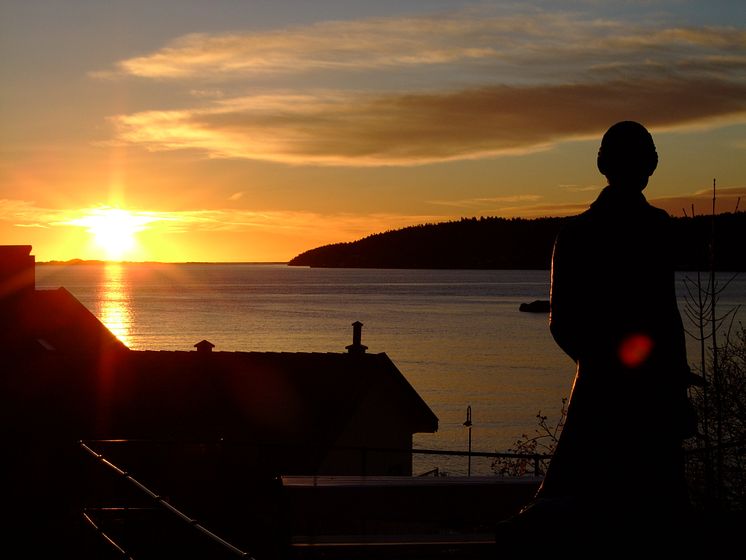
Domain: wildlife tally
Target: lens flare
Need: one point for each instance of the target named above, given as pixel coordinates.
(635, 350)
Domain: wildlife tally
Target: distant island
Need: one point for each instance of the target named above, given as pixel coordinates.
(75, 262)
(516, 243)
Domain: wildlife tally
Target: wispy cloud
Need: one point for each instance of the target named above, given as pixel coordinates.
(541, 210)
(24, 213)
(727, 200)
(336, 227)
(467, 85)
(406, 129)
(344, 226)
(534, 38)
(475, 203)
(335, 45)
(580, 188)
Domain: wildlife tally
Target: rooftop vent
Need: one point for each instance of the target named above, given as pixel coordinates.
(204, 346)
(357, 333)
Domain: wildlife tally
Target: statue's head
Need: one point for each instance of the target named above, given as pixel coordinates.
(627, 155)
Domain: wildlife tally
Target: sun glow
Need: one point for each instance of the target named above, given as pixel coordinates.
(114, 230)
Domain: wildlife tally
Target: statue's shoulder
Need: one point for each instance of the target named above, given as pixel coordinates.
(578, 224)
(660, 213)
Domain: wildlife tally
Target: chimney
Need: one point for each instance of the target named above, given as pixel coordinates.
(204, 346)
(357, 333)
(17, 270)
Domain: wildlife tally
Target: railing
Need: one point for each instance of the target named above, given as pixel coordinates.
(105, 536)
(161, 502)
(535, 458)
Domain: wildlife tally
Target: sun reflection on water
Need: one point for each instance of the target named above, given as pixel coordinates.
(113, 302)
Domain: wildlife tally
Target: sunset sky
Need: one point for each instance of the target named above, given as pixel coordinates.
(230, 130)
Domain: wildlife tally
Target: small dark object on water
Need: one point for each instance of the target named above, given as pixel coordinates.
(536, 306)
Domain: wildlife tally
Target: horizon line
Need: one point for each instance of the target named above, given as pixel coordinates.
(77, 261)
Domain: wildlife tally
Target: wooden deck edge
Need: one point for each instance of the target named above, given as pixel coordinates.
(307, 541)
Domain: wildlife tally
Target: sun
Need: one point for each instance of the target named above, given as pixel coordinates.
(114, 230)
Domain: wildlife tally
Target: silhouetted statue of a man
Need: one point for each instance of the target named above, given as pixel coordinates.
(618, 465)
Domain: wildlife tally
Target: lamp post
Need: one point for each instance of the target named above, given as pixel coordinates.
(468, 425)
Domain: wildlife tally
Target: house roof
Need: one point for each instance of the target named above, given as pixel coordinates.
(301, 397)
(263, 396)
(52, 320)
(296, 397)
(34, 320)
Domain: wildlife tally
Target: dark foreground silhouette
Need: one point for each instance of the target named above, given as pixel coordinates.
(618, 470)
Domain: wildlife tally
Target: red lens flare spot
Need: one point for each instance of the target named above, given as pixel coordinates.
(635, 349)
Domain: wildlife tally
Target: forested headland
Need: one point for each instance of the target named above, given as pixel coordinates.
(517, 243)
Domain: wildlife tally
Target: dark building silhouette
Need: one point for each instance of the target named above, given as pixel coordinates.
(346, 399)
(44, 321)
(276, 451)
(236, 416)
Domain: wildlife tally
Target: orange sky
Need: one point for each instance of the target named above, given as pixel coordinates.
(252, 131)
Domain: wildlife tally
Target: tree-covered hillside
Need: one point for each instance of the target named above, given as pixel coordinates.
(515, 243)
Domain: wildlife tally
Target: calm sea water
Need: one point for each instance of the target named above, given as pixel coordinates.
(456, 335)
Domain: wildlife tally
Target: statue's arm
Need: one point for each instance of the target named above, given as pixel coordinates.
(564, 302)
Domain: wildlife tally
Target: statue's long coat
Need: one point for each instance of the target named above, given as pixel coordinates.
(614, 312)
